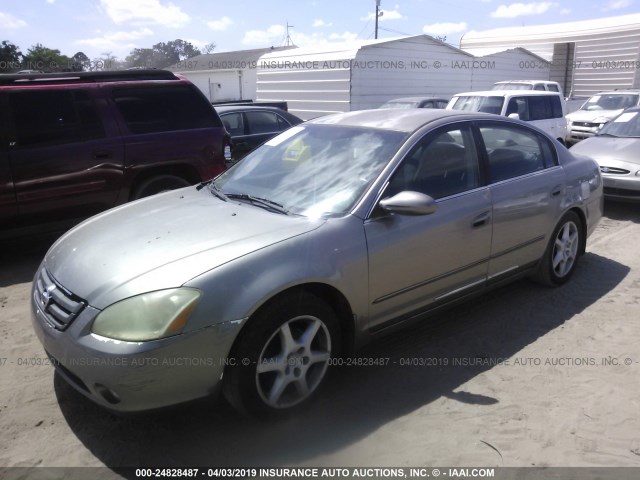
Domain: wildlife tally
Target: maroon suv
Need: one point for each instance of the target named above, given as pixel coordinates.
(74, 144)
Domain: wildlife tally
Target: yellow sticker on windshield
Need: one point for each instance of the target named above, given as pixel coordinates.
(297, 151)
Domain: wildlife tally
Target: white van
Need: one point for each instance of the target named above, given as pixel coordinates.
(545, 110)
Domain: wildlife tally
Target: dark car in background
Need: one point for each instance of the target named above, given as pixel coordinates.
(250, 126)
(416, 102)
(75, 144)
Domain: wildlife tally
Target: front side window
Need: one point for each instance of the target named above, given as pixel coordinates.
(54, 117)
(441, 165)
(515, 151)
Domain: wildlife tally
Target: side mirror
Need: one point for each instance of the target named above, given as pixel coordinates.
(514, 115)
(409, 203)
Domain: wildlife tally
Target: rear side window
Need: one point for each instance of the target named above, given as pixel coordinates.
(262, 122)
(233, 123)
(54, 117)
(514, 151)
(153, 109)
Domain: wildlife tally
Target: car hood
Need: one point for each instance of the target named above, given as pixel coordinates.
(590, 116)
(610, 149)
(162, 242)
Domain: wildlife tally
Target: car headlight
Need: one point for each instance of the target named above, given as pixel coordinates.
(149, 316)
(602, 121)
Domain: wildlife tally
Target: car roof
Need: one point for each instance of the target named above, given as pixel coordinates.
(64, 78)
(416, 99)
(236, 108)
(618, 92)
(403, 120)
(527, 81)
(504, 93)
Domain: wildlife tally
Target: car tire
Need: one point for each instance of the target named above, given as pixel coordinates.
(283, 357)
(158, 184)
(562, 253)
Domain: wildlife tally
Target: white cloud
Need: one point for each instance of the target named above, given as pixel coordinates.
(617, 5)
(565, 11)
(51, 2)
(115, 40)
(343, 37)
(9, 22)
(321, 23)
(144, 12)
(521, 9)
(274, 35)
(386, 15)
(220, 25)
(444, 28)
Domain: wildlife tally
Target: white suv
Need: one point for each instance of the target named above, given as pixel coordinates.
(599, 110)
(545, 110)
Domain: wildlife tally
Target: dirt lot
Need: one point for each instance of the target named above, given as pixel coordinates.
(525, 376)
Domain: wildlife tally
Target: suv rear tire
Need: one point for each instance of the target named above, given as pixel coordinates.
(157, 184)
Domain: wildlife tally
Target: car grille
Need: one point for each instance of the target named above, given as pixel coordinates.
(59, 306)
(614, 171)
(585, 124)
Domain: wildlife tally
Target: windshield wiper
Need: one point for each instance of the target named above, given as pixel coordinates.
(216, 191)
(261, 202)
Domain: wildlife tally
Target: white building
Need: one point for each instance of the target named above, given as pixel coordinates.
(224, 76)
(366, 74)
(587, 56)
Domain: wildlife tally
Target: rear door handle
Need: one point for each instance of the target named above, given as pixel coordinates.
(101, 155)
(557, 190)
(481, 219)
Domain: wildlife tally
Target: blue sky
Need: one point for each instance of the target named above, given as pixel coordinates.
(118, 26)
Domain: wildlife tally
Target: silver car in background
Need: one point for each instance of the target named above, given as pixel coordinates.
(329, 234)
(616, 148)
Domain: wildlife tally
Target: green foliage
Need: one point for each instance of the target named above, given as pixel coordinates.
(39, 57)
(10, 57)
(162, 54)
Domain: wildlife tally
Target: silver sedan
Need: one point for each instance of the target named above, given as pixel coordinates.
(331, 233)
(617, 149)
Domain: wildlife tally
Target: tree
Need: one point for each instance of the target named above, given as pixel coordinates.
(39, 57)
(106, 61)
(80, 62)
(209, 47)
(162, 54)
(9, 57)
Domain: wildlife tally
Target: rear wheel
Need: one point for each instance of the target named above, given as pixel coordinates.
(283, 358)
(159, 183)
(562, 254)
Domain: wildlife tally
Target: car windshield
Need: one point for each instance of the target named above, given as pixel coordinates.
(626, 125)
(313, 170)
(399, 105)
(614, 101)
(512, 86)
(477, 103)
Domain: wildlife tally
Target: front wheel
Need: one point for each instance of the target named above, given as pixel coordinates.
(562, 253)
(282, 359)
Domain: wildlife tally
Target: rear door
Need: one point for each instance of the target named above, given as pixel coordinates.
(416, 262)
(526, 190)
(8, 206)
(65, 163)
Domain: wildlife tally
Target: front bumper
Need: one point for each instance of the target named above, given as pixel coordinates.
(134, 376)
(617, 187)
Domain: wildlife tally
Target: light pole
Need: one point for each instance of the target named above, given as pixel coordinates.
(377, 15)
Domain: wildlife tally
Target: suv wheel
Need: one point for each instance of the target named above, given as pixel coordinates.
(157, 184)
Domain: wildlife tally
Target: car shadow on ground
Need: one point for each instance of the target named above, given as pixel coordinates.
(622, 210)
(20, 258)
(358, 400)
